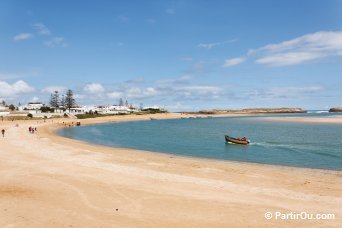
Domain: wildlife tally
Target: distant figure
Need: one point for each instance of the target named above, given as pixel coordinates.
(30, 128)
(3, 132)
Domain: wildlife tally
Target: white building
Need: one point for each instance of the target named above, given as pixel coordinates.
(34, 105)
(82, 110)
(2, 108)
(31, 106)
(114, 109)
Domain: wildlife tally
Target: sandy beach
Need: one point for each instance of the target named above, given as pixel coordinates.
(51, 181)
(333, 120)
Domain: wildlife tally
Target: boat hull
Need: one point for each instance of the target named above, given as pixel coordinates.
(234, 140)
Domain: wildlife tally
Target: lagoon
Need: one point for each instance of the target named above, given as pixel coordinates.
(311, 145)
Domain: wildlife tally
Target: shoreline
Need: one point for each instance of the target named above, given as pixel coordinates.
(110, 119)
(97, 180)
(194, 158)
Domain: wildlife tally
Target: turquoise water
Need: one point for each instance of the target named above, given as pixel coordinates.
(313, 145)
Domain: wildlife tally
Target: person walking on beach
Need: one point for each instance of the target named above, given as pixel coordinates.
(3, 132)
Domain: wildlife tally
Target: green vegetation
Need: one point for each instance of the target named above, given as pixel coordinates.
(13, 118)
(95, 115)
(153, 111)
(47, 109)
(30, 115)
(11, 107)
(66, 102)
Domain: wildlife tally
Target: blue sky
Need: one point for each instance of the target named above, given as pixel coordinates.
(181, 55)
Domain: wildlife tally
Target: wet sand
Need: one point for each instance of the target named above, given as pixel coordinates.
(51, 181)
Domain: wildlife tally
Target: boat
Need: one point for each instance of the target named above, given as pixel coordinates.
(236, 140)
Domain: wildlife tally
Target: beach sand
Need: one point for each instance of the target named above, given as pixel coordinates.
(334, 120)
(51, 181)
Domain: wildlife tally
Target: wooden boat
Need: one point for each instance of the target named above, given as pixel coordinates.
(235, 140)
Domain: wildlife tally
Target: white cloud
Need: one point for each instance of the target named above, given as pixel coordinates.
(233, 61)
(319, 41)
(307, 48)
(285, 92)
(56, 42)
(199, 90)
(208, 45)
(211, 45)
(185, 79)
(79, 96)
(134, 93)
(289, 58)
(22, 36)
(35, 99)
(138, 93)
(41, 29)
(313, 46)
(52, 89)
(115, 95)
(94, 88)
(10, 90)
(295, 90)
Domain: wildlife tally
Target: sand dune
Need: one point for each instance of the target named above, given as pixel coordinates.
(50, 181)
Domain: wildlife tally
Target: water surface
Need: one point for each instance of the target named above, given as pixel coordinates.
(313, 145)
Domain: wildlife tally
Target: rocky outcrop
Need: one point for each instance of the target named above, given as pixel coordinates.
(335, 110)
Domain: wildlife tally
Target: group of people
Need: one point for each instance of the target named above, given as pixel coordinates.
(32, 129)
(244, 138)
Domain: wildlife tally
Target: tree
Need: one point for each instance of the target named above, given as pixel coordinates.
(69, 100)
(54, 100)
(121, 103)
(62, 103)
(3, 102)
(11, 107)
(46, 109)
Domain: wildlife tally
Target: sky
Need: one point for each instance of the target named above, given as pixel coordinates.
(185, 55)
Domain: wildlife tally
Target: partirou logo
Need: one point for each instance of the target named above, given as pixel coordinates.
(277, 215)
